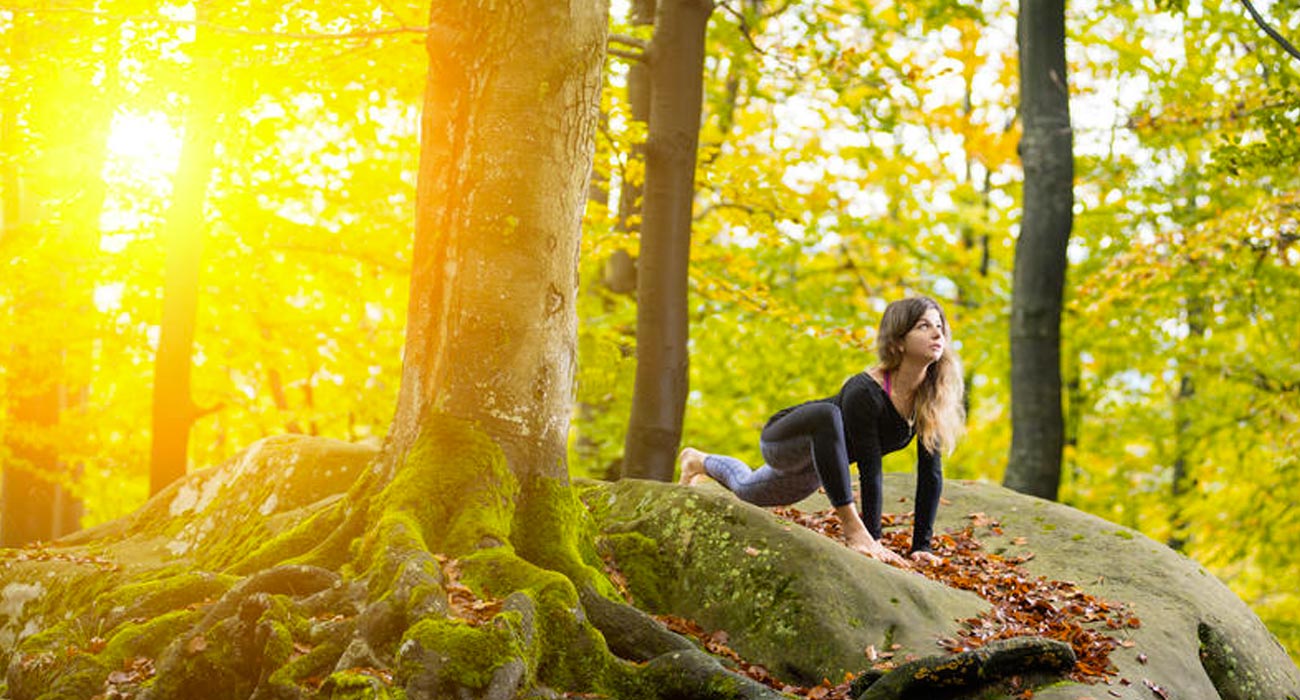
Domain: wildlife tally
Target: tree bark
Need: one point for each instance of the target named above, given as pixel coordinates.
(659, 400)
(1046, 150)
(508, 133)
(174, 411)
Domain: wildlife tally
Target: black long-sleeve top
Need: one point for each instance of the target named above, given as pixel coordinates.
(872, 429)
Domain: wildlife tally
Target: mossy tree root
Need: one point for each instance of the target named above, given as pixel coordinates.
(994, 661)
(675, 667)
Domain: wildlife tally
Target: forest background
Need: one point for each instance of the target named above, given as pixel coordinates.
(851, 152)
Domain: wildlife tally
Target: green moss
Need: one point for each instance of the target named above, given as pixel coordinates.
(357, 685)
(1078, 537)
(1124, 534)
(648, 574)
(553, 529)
(172, 591)
(146, 638)
(470, 655)
(457, 487)
(499, 571)
(386, 548)
(314, 664)
(301, 544)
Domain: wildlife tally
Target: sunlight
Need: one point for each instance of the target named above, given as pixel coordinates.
(146, 141)
(144, 151)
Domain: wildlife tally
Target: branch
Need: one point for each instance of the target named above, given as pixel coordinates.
(1270, 31)
(743, 25)
(626, 40)
(638, 56)
(220, 28)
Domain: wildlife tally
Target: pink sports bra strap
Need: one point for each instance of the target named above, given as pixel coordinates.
(887, 392)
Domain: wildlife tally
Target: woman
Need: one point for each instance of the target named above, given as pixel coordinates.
(915, 389)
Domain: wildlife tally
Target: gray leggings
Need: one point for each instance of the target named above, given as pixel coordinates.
(804, 449)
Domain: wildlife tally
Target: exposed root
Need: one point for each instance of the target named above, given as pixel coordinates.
(989, 663)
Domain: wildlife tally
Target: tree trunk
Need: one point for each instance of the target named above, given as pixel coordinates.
(659, 399)
(1034, 466)
(1184, 438)
(174, 411)
(507, 133)
(641, 14)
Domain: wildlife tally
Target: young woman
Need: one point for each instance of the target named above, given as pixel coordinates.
(915, 389)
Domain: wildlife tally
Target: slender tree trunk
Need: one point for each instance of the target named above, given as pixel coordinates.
(1179, 536)
(1046, 150)
(659, 399)
(642, 14)
(491, 332)
(174, 412)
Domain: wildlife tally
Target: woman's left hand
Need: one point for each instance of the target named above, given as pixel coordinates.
(926, 558)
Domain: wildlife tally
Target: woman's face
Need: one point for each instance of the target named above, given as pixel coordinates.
(925, 341)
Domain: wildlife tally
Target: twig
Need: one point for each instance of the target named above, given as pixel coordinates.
(1270, 31)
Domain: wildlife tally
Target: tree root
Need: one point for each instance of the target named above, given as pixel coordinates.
(1000, 659)
(630, 633)
(676, 668)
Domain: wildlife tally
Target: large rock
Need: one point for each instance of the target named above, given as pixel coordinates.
(806, 607)
(793, 601)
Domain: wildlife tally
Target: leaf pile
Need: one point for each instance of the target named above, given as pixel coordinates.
(1021, 605)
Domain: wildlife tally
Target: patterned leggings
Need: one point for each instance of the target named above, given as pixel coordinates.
(803, 448)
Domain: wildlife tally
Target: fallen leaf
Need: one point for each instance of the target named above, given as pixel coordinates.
(1160, 692)
(197, 645)
(751, 551)
(1142, 658)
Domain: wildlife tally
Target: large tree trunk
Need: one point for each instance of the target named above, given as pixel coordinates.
(174, 411)
(677, 79)
(1046, 150)
(507, 146)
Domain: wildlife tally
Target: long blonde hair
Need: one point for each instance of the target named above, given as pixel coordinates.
(940, 416)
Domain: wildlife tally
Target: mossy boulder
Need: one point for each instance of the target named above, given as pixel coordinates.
(806, 607)
(79, 612)
(803, 606)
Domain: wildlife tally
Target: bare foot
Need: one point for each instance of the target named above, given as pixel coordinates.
(692, 464)
(874, 549)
